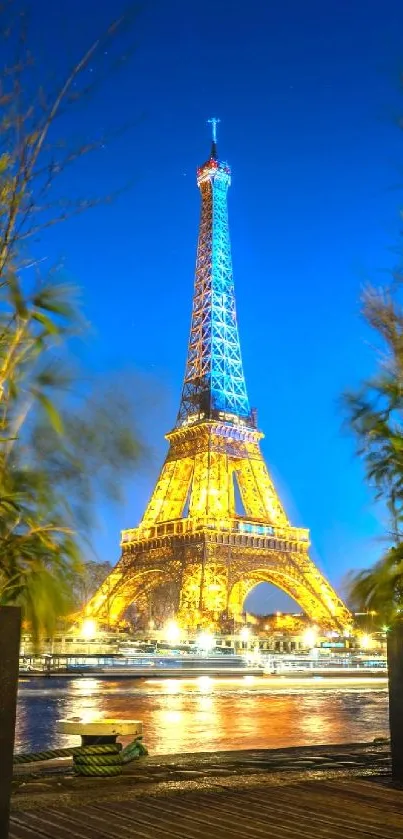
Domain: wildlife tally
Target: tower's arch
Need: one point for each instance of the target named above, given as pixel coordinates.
(116, 595)
(307, 599)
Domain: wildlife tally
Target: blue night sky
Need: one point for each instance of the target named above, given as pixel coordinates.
(307, 93)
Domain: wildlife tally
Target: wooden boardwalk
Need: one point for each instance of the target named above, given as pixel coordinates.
(347, 808)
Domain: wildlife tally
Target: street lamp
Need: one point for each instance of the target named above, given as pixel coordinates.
(172, 632)
(366, 642)
(89, 629)
(244, 633)
(205, 641)
(310, 637)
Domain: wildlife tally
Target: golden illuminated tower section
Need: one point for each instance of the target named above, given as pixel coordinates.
(214, 523)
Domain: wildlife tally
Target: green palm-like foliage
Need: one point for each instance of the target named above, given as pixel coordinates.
(60, 452)
(375, 415)
(63, 445)
(378, 589)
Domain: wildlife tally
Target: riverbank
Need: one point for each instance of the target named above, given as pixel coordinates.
(312, 793)
(198, 672)
(143, 673)
(34, 783)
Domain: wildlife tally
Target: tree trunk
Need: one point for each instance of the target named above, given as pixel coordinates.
(395, 666)
(10, 626)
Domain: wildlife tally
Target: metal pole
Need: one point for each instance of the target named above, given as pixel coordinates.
(395, 667)
(10, 628)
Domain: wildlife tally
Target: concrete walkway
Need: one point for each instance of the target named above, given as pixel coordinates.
(320, 793)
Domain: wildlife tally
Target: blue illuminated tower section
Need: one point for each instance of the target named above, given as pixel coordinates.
(214, 384)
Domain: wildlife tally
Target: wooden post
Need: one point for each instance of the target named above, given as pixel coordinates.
(395, 667)
(10, 628)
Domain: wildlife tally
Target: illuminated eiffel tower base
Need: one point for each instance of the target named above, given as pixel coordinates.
(191, 533)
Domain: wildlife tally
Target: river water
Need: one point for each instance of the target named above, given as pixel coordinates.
(203, 714)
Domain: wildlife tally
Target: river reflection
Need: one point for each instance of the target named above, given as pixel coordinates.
(189, 715)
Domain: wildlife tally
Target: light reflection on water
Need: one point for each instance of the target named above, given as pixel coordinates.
(189, 715)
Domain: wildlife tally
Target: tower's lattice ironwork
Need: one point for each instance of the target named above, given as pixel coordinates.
(191, 531)
(214, 382)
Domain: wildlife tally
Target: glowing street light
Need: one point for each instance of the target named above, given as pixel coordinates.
(206, 641)
(244, 633)
(88, 629)
(172, 632)
(310, 637)
(366, 642)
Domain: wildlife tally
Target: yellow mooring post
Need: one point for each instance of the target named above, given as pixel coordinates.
(100, 753)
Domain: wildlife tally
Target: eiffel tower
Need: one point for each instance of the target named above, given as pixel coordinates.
(191, 532)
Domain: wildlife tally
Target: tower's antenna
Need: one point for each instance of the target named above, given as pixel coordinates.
(214, 122)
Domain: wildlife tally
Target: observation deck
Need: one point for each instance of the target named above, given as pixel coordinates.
(237, 532)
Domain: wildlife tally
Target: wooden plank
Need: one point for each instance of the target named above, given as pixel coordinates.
(48, 825)
(20, 831)
(94, 827)
(185, 827)
(127, 825)
(117, 826)
(221, 814)
(277, 811)
(352, 809)
(341, 812)
(367, 790)
(329, 801)
(304, 812)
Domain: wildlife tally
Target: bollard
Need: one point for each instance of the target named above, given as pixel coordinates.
(100, 753)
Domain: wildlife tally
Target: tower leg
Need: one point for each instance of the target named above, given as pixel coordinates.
(237, 598)
(189, 604)
(203, 594)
